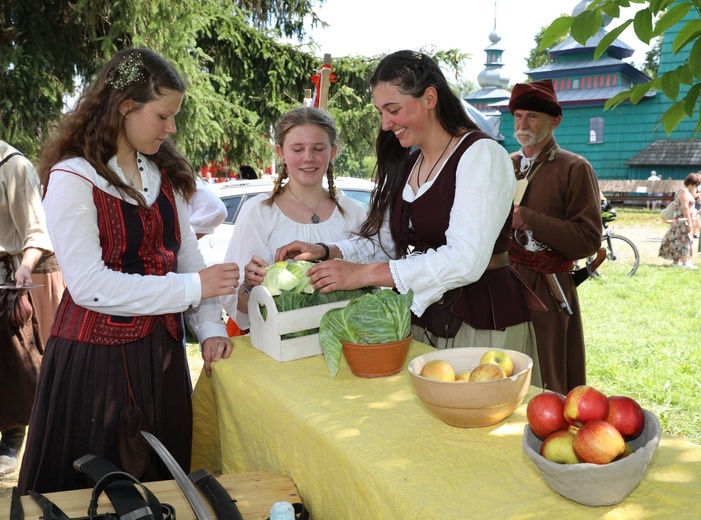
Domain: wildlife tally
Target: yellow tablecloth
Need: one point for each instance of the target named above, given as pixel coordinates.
(366, 448)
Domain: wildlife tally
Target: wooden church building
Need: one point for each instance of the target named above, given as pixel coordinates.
(625, 143)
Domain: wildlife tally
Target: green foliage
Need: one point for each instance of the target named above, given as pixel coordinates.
(539, 55)
(241, 77)
(652, 59)
(670, 12)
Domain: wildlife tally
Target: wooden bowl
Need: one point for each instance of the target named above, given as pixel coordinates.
(476, 404)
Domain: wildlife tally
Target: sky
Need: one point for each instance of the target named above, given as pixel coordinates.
(372, 27)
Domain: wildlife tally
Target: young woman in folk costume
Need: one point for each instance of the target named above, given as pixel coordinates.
(116, 207)
(439, 218)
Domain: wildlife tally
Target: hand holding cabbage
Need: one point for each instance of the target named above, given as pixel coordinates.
(291, 289)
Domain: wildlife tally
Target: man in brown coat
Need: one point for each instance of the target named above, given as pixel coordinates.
(556, 221)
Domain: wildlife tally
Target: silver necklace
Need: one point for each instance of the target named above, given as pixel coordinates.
(418, 174)
(131, 179)
(133, 175)
(315, 217)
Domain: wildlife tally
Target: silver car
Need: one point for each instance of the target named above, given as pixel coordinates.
(235, 193)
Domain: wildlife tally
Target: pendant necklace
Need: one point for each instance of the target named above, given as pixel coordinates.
(131, 179)
(136, 169)
(315, 217)
(418, 174)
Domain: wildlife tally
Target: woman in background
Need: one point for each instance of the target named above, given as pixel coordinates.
(677, 243)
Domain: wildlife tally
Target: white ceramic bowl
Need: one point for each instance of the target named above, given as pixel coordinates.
(476, 404)
(594, 484)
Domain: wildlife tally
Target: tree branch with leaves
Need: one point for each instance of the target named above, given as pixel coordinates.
(681, 85)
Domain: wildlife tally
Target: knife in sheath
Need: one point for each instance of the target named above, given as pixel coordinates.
(194, 499)
(218, 497)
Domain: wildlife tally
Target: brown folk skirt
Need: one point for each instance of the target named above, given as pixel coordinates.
(82, 389)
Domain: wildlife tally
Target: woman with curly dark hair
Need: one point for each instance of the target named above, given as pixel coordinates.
(116, 207)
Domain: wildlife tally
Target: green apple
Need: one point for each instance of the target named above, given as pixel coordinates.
(629, 449)
(501, 358)
(557, 447)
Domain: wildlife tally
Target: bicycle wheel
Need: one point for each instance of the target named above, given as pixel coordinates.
(622, 256)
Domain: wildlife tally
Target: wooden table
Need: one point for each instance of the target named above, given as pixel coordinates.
(367, 448)
(254, 494)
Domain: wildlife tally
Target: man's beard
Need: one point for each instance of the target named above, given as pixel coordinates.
(529, 138)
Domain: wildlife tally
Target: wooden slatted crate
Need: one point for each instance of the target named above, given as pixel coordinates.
(266, 333)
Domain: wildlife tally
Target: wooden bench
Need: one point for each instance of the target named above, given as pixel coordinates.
(634, 191)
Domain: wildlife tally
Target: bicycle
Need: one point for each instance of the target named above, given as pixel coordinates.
(622, 255)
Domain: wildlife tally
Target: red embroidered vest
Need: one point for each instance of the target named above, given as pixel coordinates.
(497, 299)
(134, 240)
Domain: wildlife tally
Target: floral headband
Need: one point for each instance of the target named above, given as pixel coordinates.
(127, 72)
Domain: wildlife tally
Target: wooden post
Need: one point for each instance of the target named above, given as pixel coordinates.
(325, 81)
(308, 97)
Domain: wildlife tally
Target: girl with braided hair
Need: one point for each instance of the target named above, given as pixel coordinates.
(298, 207)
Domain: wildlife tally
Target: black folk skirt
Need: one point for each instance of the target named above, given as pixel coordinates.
(82, 390)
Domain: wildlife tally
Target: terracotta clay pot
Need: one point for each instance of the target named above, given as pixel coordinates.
(376, 360)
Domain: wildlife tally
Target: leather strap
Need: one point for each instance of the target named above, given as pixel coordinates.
(130, 509)
(121, 488)
(216, 495)
(499, 260)
(8, 157)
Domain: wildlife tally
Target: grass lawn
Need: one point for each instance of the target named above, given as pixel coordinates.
(642, 337)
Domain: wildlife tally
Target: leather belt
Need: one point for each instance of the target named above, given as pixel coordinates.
(499, 260)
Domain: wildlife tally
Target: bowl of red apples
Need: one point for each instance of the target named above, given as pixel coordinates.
(590, 448)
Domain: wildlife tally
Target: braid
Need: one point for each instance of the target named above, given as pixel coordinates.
(332, 184)
(333, 192)
(279, 188)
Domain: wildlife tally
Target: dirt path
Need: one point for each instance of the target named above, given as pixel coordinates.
(647, 238)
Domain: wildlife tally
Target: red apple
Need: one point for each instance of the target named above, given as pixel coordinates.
(626, 415)
(598, 442)
(557, 447)
(545, 414)
(585, 403)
